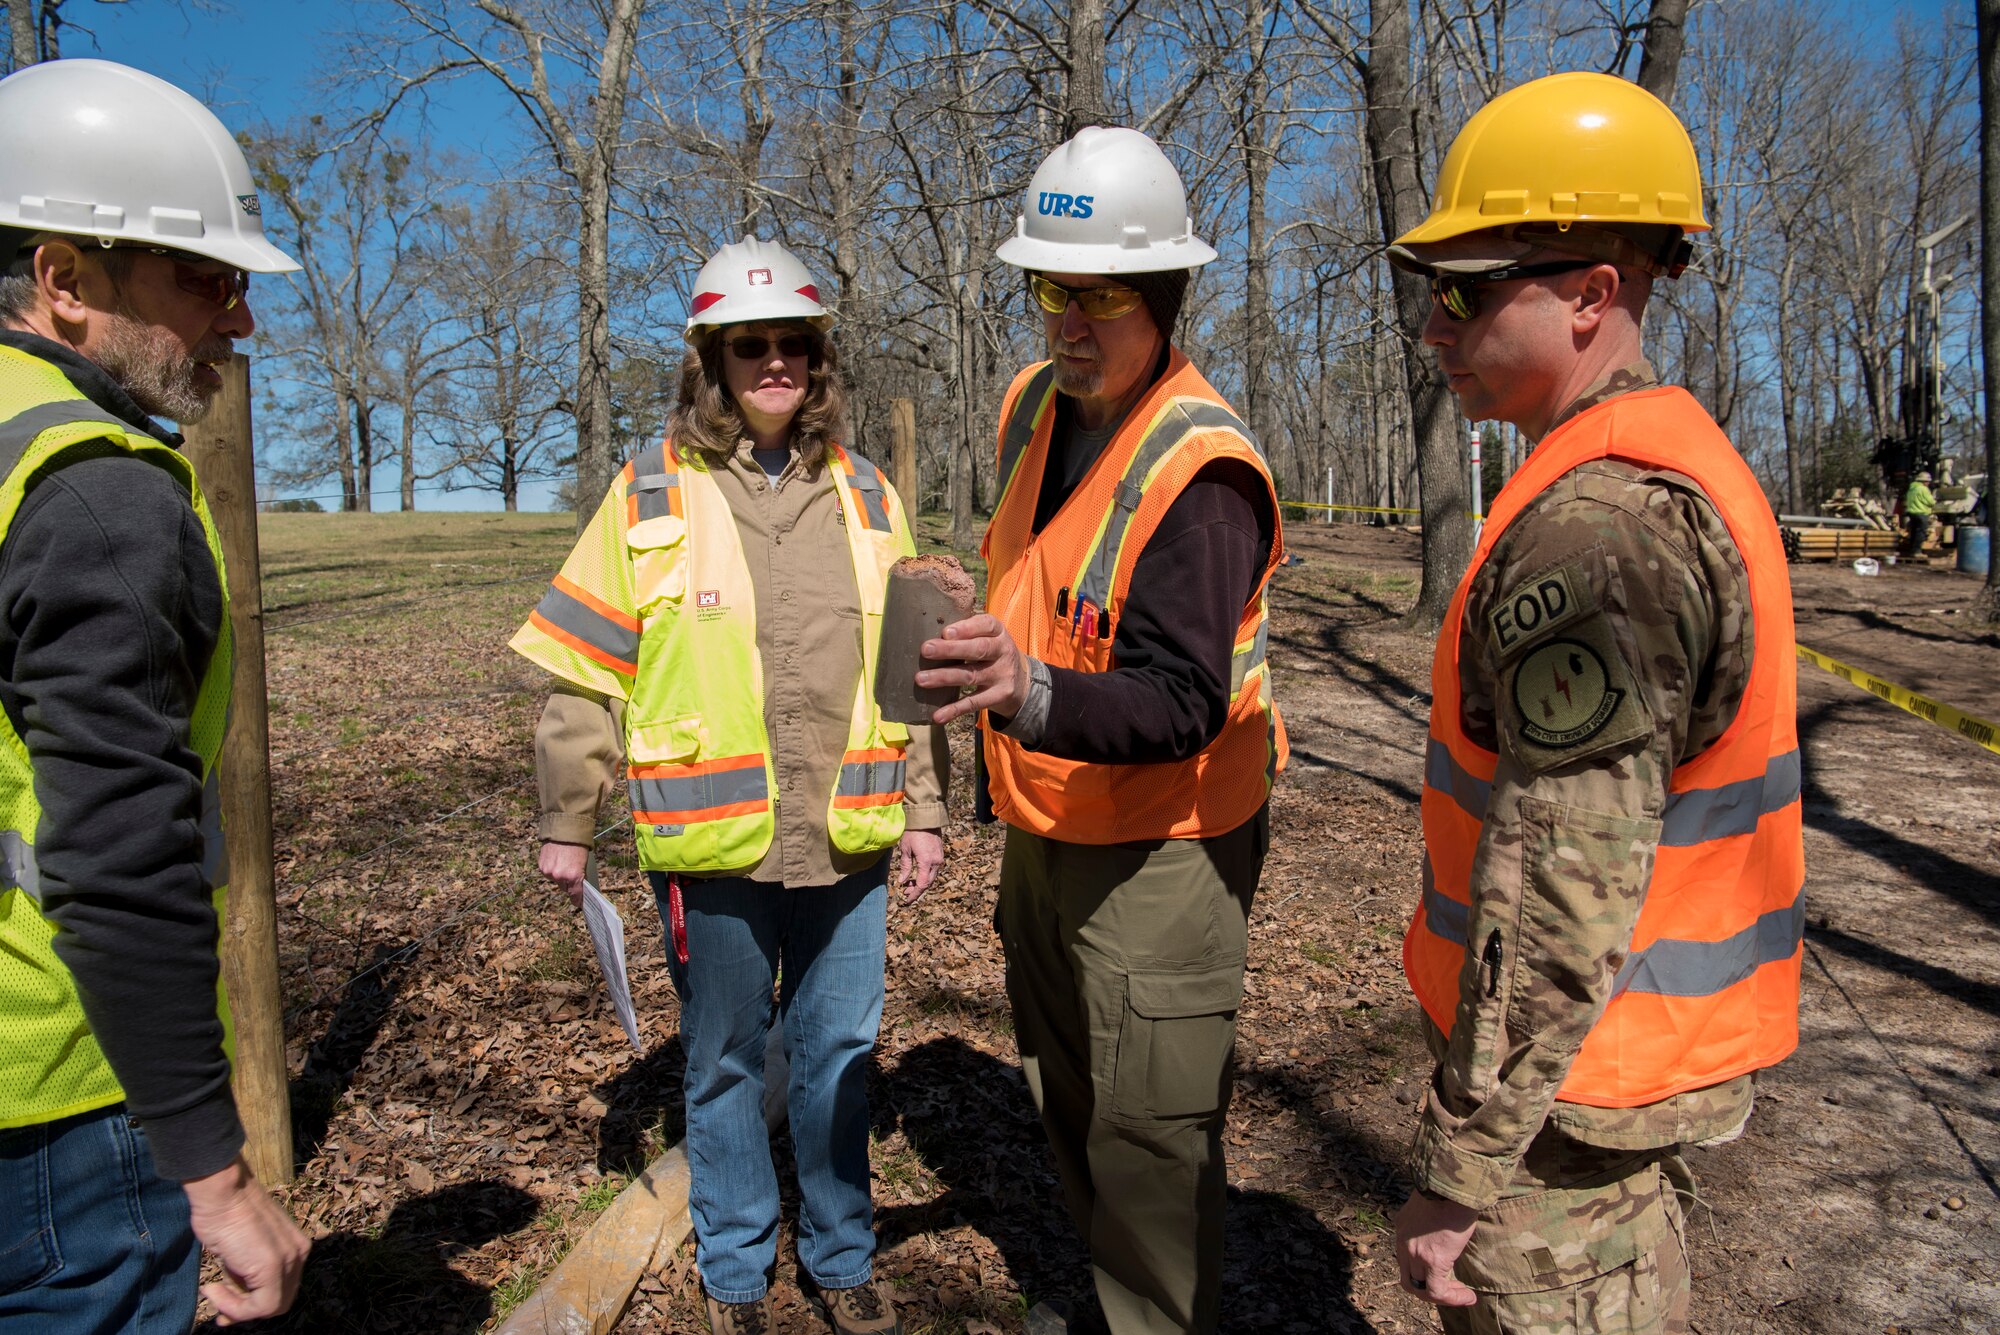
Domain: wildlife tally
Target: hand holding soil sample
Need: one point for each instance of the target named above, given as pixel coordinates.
(926, 594)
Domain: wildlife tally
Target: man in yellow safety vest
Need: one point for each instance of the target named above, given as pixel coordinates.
(128, 231)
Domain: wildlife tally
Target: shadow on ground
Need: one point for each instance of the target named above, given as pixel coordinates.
(398, 1280)
(969, 1117)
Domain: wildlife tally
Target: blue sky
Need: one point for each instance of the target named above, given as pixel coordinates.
(261, 60)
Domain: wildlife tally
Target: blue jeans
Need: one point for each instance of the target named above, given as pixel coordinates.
(829, 941)
(92, 1240)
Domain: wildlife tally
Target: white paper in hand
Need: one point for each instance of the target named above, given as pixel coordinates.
(607, 933)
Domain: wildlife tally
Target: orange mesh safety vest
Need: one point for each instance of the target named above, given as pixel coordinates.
(1061, 592)
(1710, 989)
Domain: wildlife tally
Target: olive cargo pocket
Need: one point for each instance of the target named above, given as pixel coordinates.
(1174, 1042)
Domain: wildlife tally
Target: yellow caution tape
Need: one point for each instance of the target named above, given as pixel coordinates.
(1965, 725)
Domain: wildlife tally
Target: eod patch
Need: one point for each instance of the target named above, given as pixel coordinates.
(1563, 694)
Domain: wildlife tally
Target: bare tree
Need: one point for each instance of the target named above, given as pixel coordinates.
(526, 49)
(504, 401)
(350, 206)
(1987, 605)
(1666, 38)
(1083, 89)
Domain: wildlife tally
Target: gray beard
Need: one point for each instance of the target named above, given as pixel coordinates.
(148, 364)
(1079, 384)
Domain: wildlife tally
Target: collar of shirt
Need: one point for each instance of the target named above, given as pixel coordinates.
(91, 380)
(746, 462)
(1627, 379)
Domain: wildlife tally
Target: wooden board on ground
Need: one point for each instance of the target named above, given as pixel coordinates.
(586, 1294)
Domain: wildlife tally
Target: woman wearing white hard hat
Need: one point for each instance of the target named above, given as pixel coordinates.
(717, 624)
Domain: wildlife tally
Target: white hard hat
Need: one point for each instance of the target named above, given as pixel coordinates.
(754, 280)
(1106, 202)
(94, 148)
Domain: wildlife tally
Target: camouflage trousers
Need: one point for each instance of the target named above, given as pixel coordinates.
(1584, 1241)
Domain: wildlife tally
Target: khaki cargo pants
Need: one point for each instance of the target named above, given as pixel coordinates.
(1125, 970)
(1584, 1241)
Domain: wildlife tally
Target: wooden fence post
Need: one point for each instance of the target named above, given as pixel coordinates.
(219, 446)
(903, 455)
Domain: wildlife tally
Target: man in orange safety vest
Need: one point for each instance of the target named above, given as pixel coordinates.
(1608, 941)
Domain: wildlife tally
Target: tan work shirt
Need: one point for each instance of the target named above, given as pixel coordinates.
(809, 637)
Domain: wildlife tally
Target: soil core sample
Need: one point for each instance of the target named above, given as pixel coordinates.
(926, 594)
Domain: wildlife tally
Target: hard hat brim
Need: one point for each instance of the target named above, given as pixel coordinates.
(1027, 252)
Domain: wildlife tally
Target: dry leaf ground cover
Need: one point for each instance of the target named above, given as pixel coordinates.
(464, 1102)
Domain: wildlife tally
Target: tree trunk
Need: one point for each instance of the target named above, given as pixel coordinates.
(1391, 134)
(408, 489)
(364, 453)
(343, 440)
(1250, 114)
(596, 460)
(1987, 605)
(959, 478)
(21, 33)
(1083, 91)
(1666, 38)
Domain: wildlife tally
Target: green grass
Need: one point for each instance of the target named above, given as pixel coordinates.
(1368, 1217)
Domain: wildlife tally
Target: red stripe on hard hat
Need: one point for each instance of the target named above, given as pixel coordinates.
(809, 291)
(703, 300)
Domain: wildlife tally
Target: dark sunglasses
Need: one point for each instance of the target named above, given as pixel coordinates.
(218, 287)
(755, 347)
(1458, 293)
(1096, 303)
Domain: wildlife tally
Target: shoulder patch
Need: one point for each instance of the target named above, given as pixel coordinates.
(1563, 694)
(1569, 697)
(1534, 607)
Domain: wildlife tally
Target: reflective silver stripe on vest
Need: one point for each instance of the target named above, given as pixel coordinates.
(696, 793)
(870, 778)
(214, 839)
(651, 487)
(1035, 396)
(1675, 968)
(1241, 665)
(1701, 814)
(591, 626)
(20, 430)
(1445, 916)
(1670, 966)
(1443, 772)
(18, 869)
(1182, 419)
(867, 483)
(1694, 816)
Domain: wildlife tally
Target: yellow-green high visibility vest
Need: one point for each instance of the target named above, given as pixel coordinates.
(655, 606)
(50, 1065)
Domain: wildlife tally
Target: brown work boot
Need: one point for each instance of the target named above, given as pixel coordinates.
(865, 1309)
(741, 1318)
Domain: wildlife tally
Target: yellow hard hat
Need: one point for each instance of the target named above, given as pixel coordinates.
(1570, 148)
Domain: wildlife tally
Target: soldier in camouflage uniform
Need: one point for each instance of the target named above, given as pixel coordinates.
(1604, 639)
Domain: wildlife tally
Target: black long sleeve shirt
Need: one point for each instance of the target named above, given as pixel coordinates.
(1169, 695)
(110, 608)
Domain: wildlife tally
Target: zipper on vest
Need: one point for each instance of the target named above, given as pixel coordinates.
(1492, 961)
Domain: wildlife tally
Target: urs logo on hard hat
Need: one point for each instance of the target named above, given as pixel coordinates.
(1563, 695)
(1055, 204)
(250, 205)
